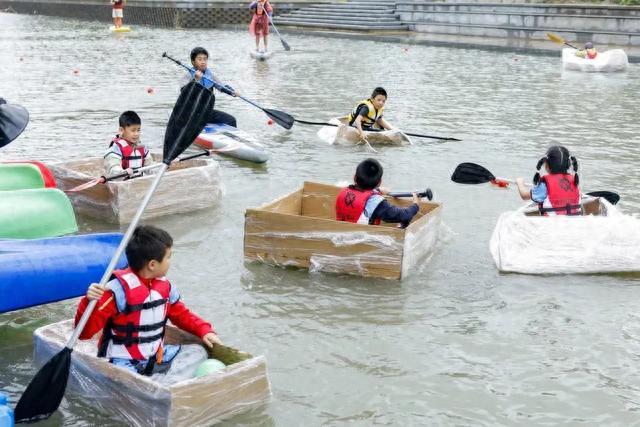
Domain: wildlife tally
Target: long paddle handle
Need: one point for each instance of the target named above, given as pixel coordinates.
(418, 135)
(116, 256)
(284, 43)
(426, 193)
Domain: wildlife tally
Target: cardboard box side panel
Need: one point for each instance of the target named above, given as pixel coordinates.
(326, 245)
(421, 238)
(319, 200)
(206, 400)
(288, 204)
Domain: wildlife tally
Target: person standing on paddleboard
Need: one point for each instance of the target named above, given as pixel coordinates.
(259, 26)
(199, 60)
(117, 11)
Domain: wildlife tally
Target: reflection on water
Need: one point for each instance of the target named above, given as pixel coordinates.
(456, 343)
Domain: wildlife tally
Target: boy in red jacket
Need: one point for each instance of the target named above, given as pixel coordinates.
(133, 308)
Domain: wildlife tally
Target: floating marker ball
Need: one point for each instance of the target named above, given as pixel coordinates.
(76, 71)
(269, 122)
(149, 90)
(209, 366)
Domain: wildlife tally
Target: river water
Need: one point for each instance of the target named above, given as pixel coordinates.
(456, 343)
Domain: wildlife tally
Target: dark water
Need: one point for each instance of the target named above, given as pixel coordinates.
(456, 343)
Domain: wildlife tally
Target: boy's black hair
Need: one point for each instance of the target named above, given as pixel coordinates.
(129, 118)
(147, 243)
(368, 174)
(197, 51)
(559, 160)
(378, 91)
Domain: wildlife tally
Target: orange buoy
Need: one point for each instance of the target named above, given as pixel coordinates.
(149, 90)
(270, 122)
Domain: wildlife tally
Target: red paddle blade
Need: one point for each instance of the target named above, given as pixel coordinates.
(88, 184)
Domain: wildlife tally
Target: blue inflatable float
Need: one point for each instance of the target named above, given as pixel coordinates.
(34, 272)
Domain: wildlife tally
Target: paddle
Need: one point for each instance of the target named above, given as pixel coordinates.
(471, 173)
(285, 45)
(418, 135)
(426, 193)
(13, 120)
(104, 179)
(280, 117)
(557, 39)
(44, 394)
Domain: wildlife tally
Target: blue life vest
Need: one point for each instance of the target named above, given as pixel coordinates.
(207, 78)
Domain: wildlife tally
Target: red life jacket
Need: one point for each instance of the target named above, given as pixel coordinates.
(350, 205)
(563, 196)
(260, 9)
(137, 332)
(131, 157)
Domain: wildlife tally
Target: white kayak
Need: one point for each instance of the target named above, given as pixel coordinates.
(342, 133)
(603, 240)
(260, 56)
(604, 62)
(218, 135)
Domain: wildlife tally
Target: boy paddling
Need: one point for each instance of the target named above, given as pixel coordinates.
(363, 202)
(199, 60)
(134, 307)
(367, 115)
(125, 151)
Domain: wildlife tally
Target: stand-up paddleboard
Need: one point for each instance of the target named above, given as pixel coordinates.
(218, 135)
(122, 29)
(260, 56)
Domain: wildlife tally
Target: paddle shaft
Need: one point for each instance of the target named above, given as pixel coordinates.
(417, 135)
(116, 256)
(157, 165)
(284, 43)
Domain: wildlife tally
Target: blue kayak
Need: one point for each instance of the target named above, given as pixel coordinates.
(34, 272)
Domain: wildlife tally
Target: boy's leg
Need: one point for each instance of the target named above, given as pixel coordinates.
(265, 37)
(257, 43)
(217, 116)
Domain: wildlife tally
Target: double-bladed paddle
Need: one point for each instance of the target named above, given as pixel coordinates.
(13, 120)
(45, 392)
(418, 135)
(104, 179)
(280, 117)
(472, 173)
(557, 39)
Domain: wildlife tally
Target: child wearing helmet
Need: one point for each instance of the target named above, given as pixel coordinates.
(557, 192)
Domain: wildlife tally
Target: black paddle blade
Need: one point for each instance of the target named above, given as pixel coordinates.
(187, 120)
(13, 120)
(610, 196)
(285, 45)
(46, 390)
(471, 173)
(280, 117)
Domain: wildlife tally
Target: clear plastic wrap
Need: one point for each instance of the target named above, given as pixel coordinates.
(118, 201)
(602, 241)
(348, 135)
(143, 401)
(300, 230)
(604, 62)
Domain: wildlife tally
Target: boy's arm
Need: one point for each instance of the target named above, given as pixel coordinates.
(105, 309)
(112, 163)
(384, 124)
(389, 213)
(188, 321)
